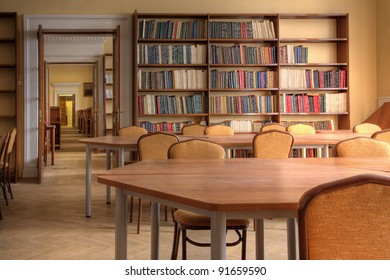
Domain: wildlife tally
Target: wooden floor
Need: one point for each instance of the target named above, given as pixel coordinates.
(47, 221)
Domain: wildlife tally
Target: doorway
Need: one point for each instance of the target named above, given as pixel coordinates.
(67, 110)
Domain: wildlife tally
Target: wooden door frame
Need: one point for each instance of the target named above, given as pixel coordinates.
(42, 78)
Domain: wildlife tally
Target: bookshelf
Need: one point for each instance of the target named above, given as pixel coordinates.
(241, 70)
(108, 101)
(8, 77)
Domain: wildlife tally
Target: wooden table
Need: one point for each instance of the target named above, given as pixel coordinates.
(237, 141)
(227, 188)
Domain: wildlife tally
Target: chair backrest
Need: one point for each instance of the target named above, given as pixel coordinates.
(346, 219)
(11, 141)
(219, 130)
(272, 144)
(302, 129)
(366, 128)
(193, 129)
(362, 147)
(382, 135)
(155, 145)
(3, 147)
(134, 131)
(273, 126)
(196, 149)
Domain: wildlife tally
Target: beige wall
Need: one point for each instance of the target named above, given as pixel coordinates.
(363, 44)
(383, 41)
(72, 73)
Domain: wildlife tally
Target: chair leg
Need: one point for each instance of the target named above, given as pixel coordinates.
(243, 245)
(166, 213)
(3, 186)
(9, 184)
(1, 215)
(139, 215)
(184, 244)
(176, 239)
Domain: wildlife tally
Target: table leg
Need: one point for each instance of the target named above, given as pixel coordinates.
(155, 216)
(326, 151)
(291, 239)
(108, 167)
(218, 236)
(88, 180)
(259, 239)
(120, 225)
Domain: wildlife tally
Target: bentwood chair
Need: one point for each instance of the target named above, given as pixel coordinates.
(3, 149)
(366, 128)
(132, 131)
(346, 219)
(302, 129)
(5, 165)
(220, 130)
(273, 126)
(272, 144)
(153, 146)
(362, 147)
(185, 220)
(193, 129)
(382, 135)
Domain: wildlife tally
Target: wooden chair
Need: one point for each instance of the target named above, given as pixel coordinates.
(5, 164)
(366, 128)
(193, 129)
(273, 126)
(303, 129)
(382, 135)
(153, 146)
(272, 144)
(132, 131)
(219, 130)
(362, 147)
(3, 149)
(346, 219)
(185, 220)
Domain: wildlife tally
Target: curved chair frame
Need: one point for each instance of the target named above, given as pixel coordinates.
(382, 135)
(273, 126)
(346, 219)
(267, 144)
(193, 129)
(363, 148)
(366, 128)
(185, 220)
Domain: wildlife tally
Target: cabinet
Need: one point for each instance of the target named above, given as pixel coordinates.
(9, 77)
(55, 119)
(241, 70)
(108, 101)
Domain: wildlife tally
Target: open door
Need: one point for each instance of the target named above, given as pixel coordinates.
(41, 97)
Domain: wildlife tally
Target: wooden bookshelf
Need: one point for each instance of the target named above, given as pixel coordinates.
(9, 78)
(249, 59)
(108, 102)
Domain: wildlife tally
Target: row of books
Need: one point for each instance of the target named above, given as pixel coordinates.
(172, 79)
(242, 104)
(243, 79)
(109, 78)
(242, 54)
(244, 125)
(109, 94)
(163, 104)
(255, 29)
(165, 126)
(171, 54)
(313, 78)
(171, 29)
(294, 54)
(318, 125)
(313, 103)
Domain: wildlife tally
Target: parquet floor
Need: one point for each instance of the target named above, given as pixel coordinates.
(47, 221)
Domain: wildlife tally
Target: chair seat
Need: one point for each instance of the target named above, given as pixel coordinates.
(189, 220)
